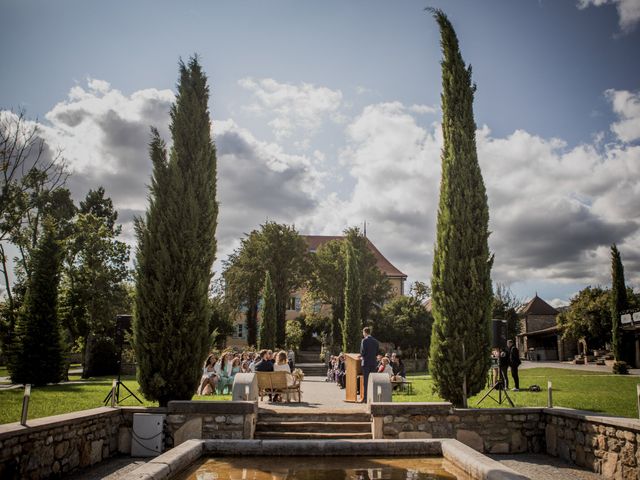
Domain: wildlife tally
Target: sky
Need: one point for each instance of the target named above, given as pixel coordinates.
(327, 114)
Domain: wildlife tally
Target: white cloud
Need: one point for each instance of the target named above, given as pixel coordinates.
(628, 11)
(296, 109)
(627, 106)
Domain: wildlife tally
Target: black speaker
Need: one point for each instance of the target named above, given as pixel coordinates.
(498, 333)
(123, 326)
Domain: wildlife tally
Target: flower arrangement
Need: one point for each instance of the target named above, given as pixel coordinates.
(298, 374)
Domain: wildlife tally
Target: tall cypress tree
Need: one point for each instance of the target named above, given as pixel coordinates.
(352, 322)
(37, 356)
(176, 248)
(267, 338)
(618, 300)
(461, 281)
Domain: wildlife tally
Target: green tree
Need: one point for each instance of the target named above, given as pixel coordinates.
(352, 322)
(588, 317)
(294, 334)
(221, 320)
(93, 286)
(244, 278)
(618, 302)
(505, 307)
(461, 280)
(267, 338)
(37, 352)
(284, 254)
(327, 280)
(176, 248)
(405, 322)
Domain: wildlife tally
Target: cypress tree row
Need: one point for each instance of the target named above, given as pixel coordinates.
(618, 300)
(37, 356)
(352, 322)
(176, 248)
(461, 280)
(267, 338)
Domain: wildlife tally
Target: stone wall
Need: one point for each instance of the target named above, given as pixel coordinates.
(492, 430)
(188, 420)
(54, 446)
(609, 446)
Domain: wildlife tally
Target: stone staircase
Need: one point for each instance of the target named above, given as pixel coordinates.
(309, 362)
(313, 426)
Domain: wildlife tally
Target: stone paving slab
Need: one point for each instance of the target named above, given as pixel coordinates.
(539, 466)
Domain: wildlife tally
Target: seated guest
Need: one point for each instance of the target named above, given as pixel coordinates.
(263, 364)
(399, 372)
(209, 378)
(244, 368)
(282, 363)
(226, 377)
(291, 356)
(385, 367)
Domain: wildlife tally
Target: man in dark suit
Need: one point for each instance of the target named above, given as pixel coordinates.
(264, 365)
(514, 363)
(368, 351)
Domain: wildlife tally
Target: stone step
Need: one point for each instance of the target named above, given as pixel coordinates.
(313, 436)
(314, 427)
(358, 417)
(311, 357)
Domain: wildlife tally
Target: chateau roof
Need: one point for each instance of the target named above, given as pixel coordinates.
(383, 264)
(537, 306)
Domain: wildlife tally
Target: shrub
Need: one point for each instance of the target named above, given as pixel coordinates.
(621, 368)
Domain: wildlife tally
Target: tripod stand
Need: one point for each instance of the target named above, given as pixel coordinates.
(123, 324)
(107, 399)
(500, 385)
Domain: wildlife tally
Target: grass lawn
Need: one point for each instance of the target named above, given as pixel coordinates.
(594, 391)
(69, 397)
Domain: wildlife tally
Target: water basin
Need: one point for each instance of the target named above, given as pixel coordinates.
(323, 468)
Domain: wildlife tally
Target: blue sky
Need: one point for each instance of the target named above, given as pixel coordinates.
(326, 114)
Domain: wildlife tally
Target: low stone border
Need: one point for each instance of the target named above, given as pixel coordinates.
(474, 464)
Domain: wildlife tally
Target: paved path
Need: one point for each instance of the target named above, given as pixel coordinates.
(543, 467)
(317, 395)
(591, 367)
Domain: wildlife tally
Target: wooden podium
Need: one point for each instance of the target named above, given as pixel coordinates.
(353, 376)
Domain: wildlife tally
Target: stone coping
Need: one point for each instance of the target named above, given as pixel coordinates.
(632, 424)
(478, 466)
(55, 421)
(206, 407)
(408, 408)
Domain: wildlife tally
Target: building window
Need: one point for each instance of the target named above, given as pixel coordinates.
(239, 332)
(295, 303)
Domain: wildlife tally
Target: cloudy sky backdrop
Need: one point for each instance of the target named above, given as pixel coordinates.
(326, 115)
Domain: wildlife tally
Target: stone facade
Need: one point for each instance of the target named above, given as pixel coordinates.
(503, 430)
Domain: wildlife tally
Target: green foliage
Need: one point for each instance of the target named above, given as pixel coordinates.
(221, 320)
(176, 248)
(275, 248)
(588, 316)
(93, 286)
(328, 280)
(618, 301)
(461, 281)
(405, 322)
(244, 279)
(267, 337)
(505, 306)
(294, 334)
(620, 368)
(352, 323)
(37, 356)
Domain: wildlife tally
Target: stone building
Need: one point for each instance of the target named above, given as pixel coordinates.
(294, 310)
(540, 338)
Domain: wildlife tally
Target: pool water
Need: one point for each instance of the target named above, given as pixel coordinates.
(323, 468)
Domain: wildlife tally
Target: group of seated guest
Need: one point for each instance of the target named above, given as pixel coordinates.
(389, 364)
(336, 370)
(218, 373)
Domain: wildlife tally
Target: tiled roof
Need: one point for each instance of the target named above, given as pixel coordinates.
(384, 265)
(537, 306)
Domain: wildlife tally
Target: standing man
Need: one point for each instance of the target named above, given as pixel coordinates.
(368, 351)
(514, 362)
